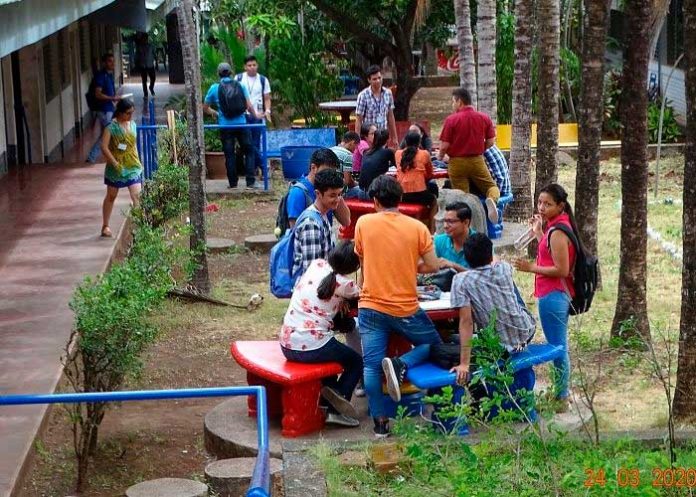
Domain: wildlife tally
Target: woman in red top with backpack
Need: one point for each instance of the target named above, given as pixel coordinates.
(553, 281)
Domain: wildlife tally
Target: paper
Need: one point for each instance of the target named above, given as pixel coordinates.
(123, 147)
(127, 95)
(437, 305)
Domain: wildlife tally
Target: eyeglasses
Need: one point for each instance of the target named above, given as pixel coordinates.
(451, 221)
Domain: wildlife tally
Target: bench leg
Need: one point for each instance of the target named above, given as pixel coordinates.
(273, 396)
(301, 413)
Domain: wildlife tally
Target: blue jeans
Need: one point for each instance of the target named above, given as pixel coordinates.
(255, 140)
(356, 192)
(228, 138)
(375, 328)
(554, 310)
(333, 351)
(104, 119)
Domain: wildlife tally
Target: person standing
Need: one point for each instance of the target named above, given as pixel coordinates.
(231, 99)
(123, 167)
(105, 96)
(375, 105)
(392, 248)
(553, 276)
(145, 62)
(259, 90)
(465, 135)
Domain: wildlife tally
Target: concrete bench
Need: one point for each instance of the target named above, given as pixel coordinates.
(361, 207)
(429, 375)
(293, 388)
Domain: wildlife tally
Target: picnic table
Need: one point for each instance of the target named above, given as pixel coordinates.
(343, 107)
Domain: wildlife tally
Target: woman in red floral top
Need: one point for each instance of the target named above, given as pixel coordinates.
(307, 334)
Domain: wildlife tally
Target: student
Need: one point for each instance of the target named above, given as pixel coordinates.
(413, 169)
(313, 235)
(553, 278)
(483, 289)
(367, 136)
(426, 143)
(375, 105)
(123, 167)
(307, 334)
(105, 95)
(344, 151)
(449, 246)
(377, 160)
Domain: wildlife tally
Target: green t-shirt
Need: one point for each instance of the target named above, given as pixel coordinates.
(445, 248)
(345, 158)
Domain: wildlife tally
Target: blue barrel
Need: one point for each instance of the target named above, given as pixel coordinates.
(295, 160)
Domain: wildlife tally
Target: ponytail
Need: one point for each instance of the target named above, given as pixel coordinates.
(343, 260)
(327, 286)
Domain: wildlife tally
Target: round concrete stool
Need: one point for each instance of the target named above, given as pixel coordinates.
(168, 487)
(231, 477)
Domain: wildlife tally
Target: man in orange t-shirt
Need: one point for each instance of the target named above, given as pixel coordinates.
(392, 248)
(466, 134)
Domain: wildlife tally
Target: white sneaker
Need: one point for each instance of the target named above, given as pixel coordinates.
(342, 420)
(339, 403)
(492, 209)
(359, 391)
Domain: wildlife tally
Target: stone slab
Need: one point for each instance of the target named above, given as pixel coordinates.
(232, 477)
(168, 487)
(260, 243)
(219, 245)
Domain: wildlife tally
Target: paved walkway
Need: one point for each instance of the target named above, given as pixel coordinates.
(50, 219)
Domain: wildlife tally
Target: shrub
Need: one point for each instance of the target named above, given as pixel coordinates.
(166, 196)
(671, 131)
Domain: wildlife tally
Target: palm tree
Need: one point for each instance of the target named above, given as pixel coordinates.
(520, 149)
(467, 68)
(591, 115)
(549, 29)
(485, 59)
(685, 393)
(192, 72)
(631, 315)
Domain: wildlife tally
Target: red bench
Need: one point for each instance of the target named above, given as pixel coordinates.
(292, 387)
(360, 207)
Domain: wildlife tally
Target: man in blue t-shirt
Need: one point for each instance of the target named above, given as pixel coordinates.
(449, 246)
(105, 93)
(230, 136)
(297, 202)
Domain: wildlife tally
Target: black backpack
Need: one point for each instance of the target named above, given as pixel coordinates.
(282, 221)
(231, 99)
(585, 273)
(91, 96)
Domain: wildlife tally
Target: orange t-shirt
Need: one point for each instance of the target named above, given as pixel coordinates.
(414, 179)
(390, 245)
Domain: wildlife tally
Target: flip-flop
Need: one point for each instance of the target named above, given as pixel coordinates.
(106, 232)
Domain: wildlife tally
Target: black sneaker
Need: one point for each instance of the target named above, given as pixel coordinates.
(394, 371)
(381, 428)
(342, 405)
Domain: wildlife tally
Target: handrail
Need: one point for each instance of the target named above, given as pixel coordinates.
(260, 480)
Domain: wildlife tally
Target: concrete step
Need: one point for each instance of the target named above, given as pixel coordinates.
(231, 477)
(168, 487)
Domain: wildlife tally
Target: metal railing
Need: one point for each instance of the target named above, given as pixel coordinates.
(260, 480)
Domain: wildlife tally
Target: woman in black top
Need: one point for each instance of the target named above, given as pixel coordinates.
(376, 160)
(426, 143)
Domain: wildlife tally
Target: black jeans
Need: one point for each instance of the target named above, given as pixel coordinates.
(333, 351)
(243, 137)
(255, 139)
(144, 73)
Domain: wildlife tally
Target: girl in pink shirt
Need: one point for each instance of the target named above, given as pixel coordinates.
(367, 134)
(553, 280)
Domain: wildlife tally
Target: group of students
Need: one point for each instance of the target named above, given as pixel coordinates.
(390, 250)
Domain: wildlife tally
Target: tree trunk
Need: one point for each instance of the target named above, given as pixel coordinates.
(590, 124)
(197, 200)
(658, 14)
(467, 67)
(685, 393)
(406, 87)
(631, 316)
(549, 29)
(520, 149)
(485, 57)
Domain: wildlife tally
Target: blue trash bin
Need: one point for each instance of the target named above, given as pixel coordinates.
(295, 160)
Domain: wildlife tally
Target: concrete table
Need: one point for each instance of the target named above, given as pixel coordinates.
(343, 107)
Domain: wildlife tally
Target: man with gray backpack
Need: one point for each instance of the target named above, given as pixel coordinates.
(232, 100)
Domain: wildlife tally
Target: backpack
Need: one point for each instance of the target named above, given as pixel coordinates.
(282, 221)
(585, 273)
(91, 96)
(231, 99)
(263, 87)
(283, 258)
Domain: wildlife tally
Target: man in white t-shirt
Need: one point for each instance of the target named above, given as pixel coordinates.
(260, 95)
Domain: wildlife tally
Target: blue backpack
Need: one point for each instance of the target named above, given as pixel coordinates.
(283, 258)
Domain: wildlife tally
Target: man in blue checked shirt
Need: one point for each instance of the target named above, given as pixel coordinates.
(498, 167)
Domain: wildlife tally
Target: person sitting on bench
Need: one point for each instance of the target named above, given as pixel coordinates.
(307, 334)
(488, 289)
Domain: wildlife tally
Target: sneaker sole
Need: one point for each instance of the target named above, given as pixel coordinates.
(342, 405)
(392, 381)
(342, 423)
(492, 210)
(381, 435)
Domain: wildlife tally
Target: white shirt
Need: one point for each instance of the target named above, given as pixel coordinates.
(254, 87)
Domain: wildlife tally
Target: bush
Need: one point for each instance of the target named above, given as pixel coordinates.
(166, 196)
(671, 131)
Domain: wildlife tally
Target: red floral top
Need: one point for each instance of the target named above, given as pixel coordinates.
(308, 322)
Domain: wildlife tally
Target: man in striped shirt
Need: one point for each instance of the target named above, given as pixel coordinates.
(375, 105)
(498, 167)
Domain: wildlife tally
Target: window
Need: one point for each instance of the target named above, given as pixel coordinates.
(52, 84)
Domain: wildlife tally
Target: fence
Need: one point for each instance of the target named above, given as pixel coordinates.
(147, 142)
(260, 480)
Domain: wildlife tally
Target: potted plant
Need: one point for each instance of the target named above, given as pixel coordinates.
(214, 156)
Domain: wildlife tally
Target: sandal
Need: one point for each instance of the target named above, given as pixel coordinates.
(106, 232)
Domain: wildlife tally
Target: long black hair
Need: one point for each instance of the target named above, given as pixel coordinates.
(408, 158)
(343, 260)
(123, 106)
(365, 130)
(559, 195)
(379, 141)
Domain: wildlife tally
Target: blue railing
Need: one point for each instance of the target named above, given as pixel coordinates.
(147, 143)
(260, 480)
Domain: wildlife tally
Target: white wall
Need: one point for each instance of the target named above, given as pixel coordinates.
(53, 126)
(676, 91)
(3, 143)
